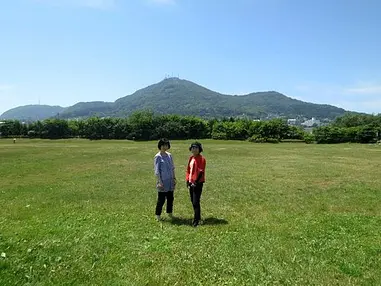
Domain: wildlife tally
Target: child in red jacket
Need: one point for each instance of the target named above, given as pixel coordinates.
(195, 178)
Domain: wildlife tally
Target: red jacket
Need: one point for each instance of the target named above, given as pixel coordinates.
(196, 165)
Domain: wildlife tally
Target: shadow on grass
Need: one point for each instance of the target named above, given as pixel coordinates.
(214, 221)
(207, 221)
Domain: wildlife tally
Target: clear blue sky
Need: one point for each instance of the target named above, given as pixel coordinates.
(65, 51)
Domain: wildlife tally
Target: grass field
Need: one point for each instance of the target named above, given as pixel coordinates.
(76, 212)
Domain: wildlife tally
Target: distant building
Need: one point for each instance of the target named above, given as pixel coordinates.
(291, 121)
(312, 122)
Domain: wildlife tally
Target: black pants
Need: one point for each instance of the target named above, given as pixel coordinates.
(195, 195)
(161, 196)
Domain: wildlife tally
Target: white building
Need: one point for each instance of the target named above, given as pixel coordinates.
(291, 121)
(313, 121)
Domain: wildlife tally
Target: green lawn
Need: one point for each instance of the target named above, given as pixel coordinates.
(76, 212)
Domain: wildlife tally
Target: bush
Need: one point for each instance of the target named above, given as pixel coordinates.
(272, 140)
(259, 139)
(219, 136)
(32, 134)
(367, 134)
(309, 138)
(256, 139)
(330, 135)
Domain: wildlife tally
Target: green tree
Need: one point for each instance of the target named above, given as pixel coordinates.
(142, 124)
(11, 128)
(367, 134)
(355, 120)
(55, 129)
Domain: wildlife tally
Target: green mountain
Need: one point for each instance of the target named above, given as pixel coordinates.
(177, 96)
(32, 112)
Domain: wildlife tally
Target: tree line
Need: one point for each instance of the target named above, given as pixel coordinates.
(356, 128)
(144, 125)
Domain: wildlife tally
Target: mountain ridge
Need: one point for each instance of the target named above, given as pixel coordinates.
(183, 97)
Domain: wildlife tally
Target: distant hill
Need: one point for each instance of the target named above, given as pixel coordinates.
(177, 96)
(87, 109)
(32, 112)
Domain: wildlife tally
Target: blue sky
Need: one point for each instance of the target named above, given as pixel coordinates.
(60, 52)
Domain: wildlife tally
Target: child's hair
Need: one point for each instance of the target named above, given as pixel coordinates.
(163, 141)
(196, 144)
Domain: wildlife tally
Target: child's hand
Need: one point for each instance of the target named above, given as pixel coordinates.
(160, 186)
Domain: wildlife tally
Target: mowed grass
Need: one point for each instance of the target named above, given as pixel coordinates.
(76, 212)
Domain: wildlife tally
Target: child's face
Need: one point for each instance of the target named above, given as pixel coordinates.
(195, 151)
(164, 147)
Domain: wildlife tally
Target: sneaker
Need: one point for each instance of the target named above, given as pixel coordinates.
(158, 218)
(195, 223)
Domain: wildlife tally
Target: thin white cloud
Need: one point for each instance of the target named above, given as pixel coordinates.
(164, 2)
(99, 4)
(5, 87)
(316, 92)
(365, 89)
(362, 96)
(95, 4)
(367, 106)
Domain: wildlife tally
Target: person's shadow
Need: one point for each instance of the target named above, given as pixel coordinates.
(206, 221)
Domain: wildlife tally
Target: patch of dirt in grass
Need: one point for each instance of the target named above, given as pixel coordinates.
(324, 184)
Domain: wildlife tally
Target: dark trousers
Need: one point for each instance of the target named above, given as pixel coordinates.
(161, 197)
(195, 195)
